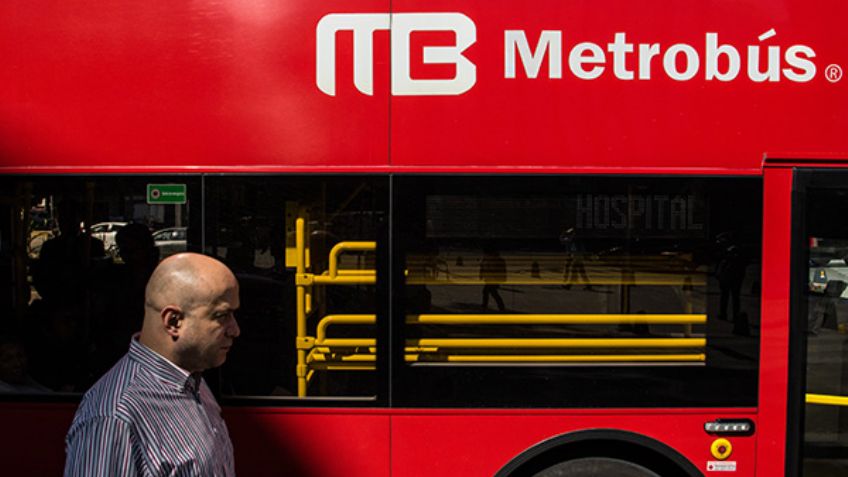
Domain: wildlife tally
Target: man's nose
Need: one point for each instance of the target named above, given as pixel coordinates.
(233, 331)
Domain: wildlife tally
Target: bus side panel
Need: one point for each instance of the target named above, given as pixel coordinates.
(774, 351)
(273, 442)
(162, 83)
(488, 442)
(267, 442)
(34, 438)
(650, 119)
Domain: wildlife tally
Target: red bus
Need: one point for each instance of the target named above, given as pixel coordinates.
(473, 237)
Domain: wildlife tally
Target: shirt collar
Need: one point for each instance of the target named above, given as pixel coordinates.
(169, 373)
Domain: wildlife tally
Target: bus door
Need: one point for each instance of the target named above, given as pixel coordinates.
(819, 316)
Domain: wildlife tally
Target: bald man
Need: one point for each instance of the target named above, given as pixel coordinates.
(152, 414)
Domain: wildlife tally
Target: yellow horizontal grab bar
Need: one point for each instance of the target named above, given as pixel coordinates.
(557, 319)
(614, 280)
(352, 272)
(560, 342)
(827, 399)
(344, 279)
(345, 342)
(371, 356)
(525, 342)
(516, 319)
(599, 358)
(321, 332)
(343, 350)
(346, 247)
(356, 360)
(343, 367)
(353, 358)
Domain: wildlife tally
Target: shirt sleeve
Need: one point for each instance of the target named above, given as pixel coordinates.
(98, 447)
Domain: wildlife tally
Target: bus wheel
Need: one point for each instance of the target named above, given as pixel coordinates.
(596, 467)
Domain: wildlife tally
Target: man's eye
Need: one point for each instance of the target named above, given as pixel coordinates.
(223, 315)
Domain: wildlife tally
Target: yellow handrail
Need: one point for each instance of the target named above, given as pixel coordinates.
(595, 280)
(352, 354)
(344, 280)
(517, 319)
(827, 399)
(524, 343)
(341, 247)
(351, 272)
(556, 319)
(539, 343)
(571, 358)
(300, 247)
(347, 361)
(346, 342)
(321, 332)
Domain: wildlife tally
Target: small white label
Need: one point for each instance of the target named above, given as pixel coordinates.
(721, 466)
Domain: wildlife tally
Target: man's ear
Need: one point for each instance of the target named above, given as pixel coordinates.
(172, 318)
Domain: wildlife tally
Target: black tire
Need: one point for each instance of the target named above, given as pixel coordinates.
(596, 467)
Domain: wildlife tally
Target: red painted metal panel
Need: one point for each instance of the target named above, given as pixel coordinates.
(181, 83)
(480, 443)
(774, 328)
(610, 122)
(316, 443)
(344, 442)
(33, 437)
(229, 84)
(267, 441)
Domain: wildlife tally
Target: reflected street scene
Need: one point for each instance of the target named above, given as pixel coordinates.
(825, 448)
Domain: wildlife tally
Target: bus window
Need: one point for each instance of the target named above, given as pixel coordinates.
(79, 251)
(577, 291)
(304, 250)
(825, 329)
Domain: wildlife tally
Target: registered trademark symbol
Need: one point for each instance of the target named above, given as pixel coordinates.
(833, 73)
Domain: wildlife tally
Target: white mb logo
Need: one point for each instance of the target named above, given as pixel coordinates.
(401, 25)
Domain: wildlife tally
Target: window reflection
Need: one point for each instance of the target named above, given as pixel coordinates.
(76, 255)
(565, 273)
(307, 330)
(826, 425)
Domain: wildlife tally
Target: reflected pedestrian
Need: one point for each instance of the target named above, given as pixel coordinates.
(493, 274)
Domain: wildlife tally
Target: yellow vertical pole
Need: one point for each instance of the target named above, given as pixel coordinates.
(300, 246)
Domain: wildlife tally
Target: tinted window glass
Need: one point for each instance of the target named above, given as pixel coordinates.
(825, 327)
(576, 291)
(75, 256)
(308, 333)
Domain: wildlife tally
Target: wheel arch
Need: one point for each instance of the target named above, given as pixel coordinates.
(612, 443)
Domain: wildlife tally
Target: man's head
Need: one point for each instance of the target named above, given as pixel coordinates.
(190, 304)
(13, 361)
(70, 216)
(136, 245)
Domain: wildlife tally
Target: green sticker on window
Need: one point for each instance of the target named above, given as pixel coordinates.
(166, 193)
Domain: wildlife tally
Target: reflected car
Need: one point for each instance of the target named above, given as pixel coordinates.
(823, 250)
(106, 231)
(170, 241)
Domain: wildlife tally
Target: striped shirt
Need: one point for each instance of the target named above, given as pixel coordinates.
(147, 417)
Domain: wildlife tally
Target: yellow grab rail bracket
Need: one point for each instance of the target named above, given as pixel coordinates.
(306, 342)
